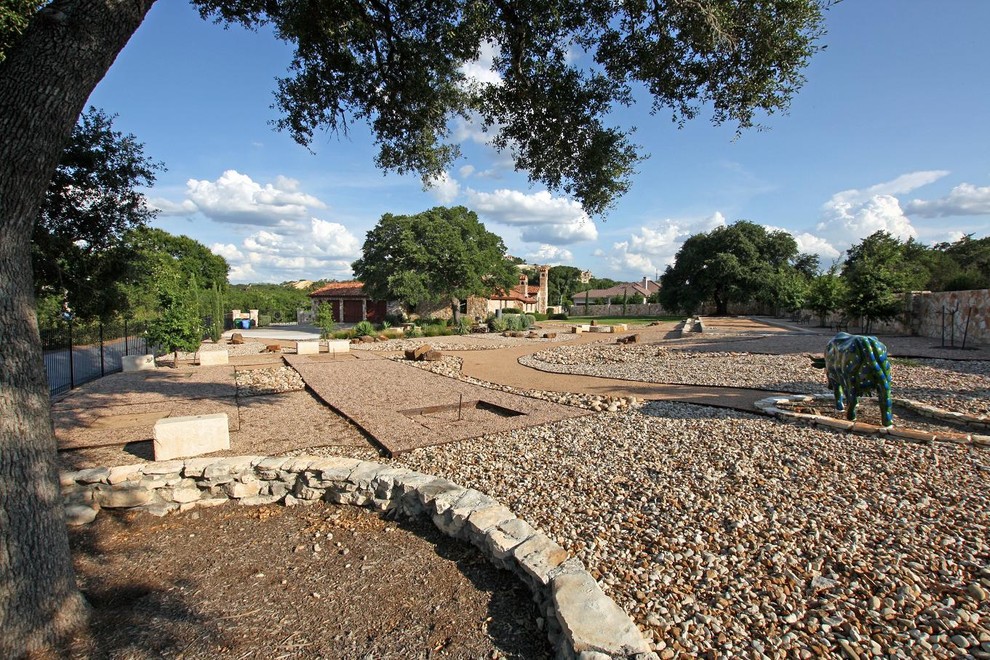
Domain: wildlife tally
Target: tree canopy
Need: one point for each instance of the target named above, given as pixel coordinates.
(728, 264)
(79, 252)
(562, 68)
(433, 257)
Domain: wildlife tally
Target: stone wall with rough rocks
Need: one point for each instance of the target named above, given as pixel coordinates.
(582, 621)
(923, 316)
(650, 309)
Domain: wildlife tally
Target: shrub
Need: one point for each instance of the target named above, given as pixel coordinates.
(414, 332)
(340, 334)
(498, 324)
(393, 333)
(324, 320)
(434, 330)
(363, 329)
(512, 310)
(558, 317)
(515, 322)
(264, 320)
(395, 319)
(539, 317)
(463, 326)
(528, 321)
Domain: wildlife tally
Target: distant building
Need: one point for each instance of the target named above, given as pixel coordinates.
(302, 284)
(643, 290)
(349, 302)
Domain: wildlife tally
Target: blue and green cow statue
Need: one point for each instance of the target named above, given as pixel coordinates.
(857, 365)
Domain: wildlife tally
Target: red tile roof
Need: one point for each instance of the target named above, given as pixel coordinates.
(516, 293)
(353, 289)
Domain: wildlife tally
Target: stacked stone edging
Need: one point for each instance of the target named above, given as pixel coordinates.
(582, 622)
(769, 407)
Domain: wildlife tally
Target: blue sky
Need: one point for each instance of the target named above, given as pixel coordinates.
(890, 132)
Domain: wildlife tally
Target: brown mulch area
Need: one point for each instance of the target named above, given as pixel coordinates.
(321, 581)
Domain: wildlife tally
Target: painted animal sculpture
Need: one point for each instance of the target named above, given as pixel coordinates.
(857, 365)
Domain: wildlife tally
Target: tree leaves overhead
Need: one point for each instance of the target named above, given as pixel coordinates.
(562, 65)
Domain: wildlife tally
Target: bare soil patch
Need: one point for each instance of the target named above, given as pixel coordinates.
(321, 581)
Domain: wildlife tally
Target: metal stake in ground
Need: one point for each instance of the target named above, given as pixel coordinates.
(460, 404)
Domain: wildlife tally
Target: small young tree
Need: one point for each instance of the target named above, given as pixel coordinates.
(179, 326)
(826, 294)
(324, 320)
(216, 315)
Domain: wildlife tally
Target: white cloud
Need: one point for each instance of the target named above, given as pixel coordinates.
(466, 171)
(542, 217)
(480, 71)
(168, 207)
(237, 198)
(550, 254)
(323, 250)
(444, 188)
(845, 223)
(651, 248)
(905, 183)
(811, 244)
(964, 199)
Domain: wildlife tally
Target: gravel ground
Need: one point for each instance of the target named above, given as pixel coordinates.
(475, 342)
(726, 534)
(918, 379)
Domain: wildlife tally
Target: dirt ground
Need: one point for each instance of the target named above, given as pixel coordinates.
(319, 581)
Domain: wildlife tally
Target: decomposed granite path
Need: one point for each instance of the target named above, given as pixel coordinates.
(404, 407)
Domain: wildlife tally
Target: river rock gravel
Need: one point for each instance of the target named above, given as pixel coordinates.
(728, 535)
(962, 386)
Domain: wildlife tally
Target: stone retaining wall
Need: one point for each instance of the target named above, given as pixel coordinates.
(582, 621)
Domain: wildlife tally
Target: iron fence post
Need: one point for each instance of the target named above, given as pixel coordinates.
(125, 338)
(72, 370)
(102, 370)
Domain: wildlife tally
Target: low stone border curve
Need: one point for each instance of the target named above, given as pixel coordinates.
(582, 622)
(769, 406)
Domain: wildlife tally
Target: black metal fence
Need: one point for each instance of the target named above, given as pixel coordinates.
(77, 353)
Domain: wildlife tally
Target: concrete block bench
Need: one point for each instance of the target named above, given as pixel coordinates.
(307, 347)
(182, 437)
(137, 362)
(212, 358)
(338, 346)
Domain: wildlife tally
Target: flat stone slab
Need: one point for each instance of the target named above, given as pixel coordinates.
(183, 437)
(405, 407)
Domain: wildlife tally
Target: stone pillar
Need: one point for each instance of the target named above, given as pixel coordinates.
(364, 309)
(543, 297)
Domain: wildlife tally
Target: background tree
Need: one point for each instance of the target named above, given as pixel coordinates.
(79, 252)
(398, 67)
(438, 256)
(178, 326)
(971, 258)
(729, 264)
(875, 270)
(826, 294)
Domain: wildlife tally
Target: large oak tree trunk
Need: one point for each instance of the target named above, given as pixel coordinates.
(44, 84)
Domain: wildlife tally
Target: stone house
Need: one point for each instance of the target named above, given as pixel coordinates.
(638, 292)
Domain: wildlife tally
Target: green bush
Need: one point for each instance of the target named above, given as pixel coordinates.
(463, 326)
(435, 330)
(395, 319)
(341, 334)
(539, 317)
(497, 324)
(515, 322)
(528, 321)
(558, 317)
(511, 310)
(264, 320)
(363, 329)
(414, 332)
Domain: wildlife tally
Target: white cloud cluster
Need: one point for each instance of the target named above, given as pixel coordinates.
(480, 70)
(964, 199)
(444, 188)
(541, 217)
(551, 255)
(237, 198)
(651, 248)
(286, 240)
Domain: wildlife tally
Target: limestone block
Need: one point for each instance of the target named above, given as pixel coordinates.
(537, 556)
(178, 437)
(591, 620)
(212, 358)
(620, 327)
(123, 498)
(137, 362)
(307, 347)
(80, 514)
(502, 540)
(336, 346)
